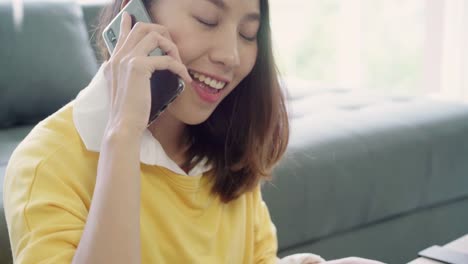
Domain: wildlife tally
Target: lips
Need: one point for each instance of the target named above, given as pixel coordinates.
(208, 87)
(205, 92)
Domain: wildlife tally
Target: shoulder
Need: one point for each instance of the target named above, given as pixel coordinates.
(51, 156)
(55, 135)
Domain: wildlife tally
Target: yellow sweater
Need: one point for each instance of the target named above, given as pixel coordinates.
(48, 190)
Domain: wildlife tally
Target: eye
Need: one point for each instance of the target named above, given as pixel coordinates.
(249, 32)
(250, 39)
(206, 23)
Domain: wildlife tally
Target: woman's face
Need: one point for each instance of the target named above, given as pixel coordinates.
(216, 40)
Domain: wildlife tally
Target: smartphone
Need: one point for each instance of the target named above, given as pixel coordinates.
(165, 85)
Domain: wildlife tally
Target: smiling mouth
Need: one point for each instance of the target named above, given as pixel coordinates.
(212, 85)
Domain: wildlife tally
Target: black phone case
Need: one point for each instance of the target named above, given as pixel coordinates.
(165, 87)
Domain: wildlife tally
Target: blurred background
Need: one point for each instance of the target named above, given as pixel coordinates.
(378, 93)
(413, 47)
(417, 47)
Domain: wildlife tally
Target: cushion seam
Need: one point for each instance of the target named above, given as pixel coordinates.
(373, 223)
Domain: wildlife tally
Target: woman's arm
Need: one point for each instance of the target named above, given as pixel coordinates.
(112, 230)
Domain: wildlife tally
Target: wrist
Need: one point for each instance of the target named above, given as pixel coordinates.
(122, 133)
(124, 129)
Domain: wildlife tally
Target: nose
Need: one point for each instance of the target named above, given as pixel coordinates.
(225, 49)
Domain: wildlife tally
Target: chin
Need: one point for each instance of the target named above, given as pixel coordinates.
(194, 119)
(188, 116)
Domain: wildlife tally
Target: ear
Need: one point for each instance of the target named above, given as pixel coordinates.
(124, 3)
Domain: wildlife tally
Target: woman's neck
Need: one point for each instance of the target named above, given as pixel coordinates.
(171, 134)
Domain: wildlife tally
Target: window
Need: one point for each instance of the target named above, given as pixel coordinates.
(405, 46)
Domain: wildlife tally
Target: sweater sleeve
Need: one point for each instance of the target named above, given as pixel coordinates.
(44, 209)
(266, 244)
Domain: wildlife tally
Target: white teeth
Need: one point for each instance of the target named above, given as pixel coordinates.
(208, 81)
(213, 83)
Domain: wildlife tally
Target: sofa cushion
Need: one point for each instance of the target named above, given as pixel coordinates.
(45, 62)
(357, 157)
(9, 139)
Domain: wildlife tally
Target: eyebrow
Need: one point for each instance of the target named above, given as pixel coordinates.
(222, 5)
(218, 3)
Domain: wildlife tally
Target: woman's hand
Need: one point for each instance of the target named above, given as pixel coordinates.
(353, 260)
(301, 258)
(307, 258)
(129, 69)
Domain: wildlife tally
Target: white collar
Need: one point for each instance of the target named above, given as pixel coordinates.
(90, 116)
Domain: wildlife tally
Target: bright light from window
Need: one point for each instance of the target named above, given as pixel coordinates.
(375, 44)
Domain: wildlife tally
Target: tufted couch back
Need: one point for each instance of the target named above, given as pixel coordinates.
(44, 63)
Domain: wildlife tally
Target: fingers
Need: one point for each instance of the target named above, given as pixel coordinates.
(125, 27)
(139, 31)
(353, 260)
(303, 258)
(142, 39)
(167, 62)
(135, 44)
(155, 40)
(150, 64)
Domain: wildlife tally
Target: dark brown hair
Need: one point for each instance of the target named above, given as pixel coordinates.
(248, 132)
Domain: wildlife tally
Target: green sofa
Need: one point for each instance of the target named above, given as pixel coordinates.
(365, 174)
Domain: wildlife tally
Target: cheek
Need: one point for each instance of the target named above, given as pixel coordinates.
(188, 43)
(179, 41)
(248, 59)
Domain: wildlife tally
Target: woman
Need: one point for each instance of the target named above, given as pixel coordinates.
(93, 184)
